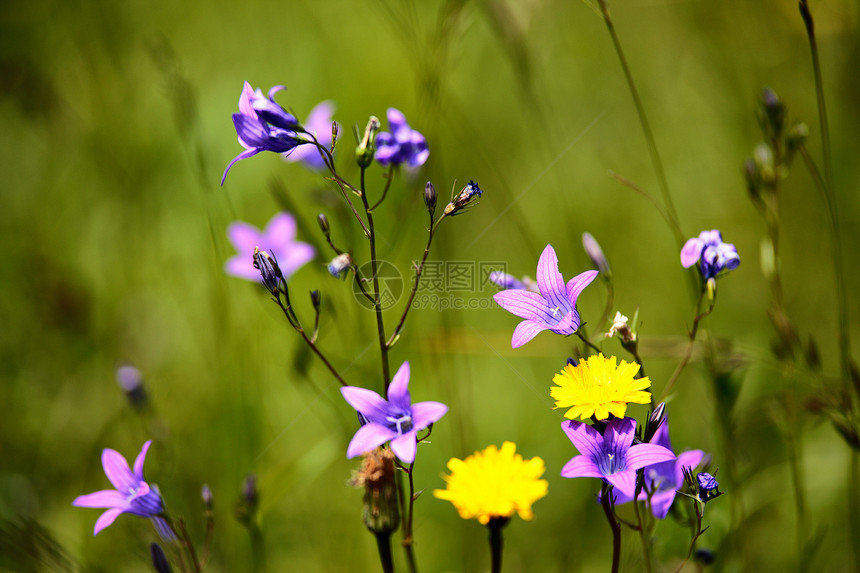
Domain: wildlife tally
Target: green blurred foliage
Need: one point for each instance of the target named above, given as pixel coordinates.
(116, 128)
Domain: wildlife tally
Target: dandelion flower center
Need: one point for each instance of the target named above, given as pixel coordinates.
(599, 387)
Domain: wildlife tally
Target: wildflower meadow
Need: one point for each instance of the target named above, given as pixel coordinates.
(430, 286)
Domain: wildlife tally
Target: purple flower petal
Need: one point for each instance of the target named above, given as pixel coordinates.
(405, 446)
(398, 390)
(691, 252)
(581, 466)
(618, 435)
(280, 230)
(585, 438)
(117, 471)
(106, 519)
(426, 413)
(550, 282)
(525, 331)
(528, 305)
(244, 155)
(141, 457)
(624, 483)
(103, 498)
(368, 402)
(577, 284)
(642, 455)
(368, 437)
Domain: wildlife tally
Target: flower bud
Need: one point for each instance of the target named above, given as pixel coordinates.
(159, 559)
(365, 149)
(206, 496)
(246, 508)
(771, 114)
(430, 197)
(316, 299)
(269, 271)
(711, 286)
(324, 226)
(654, 421)
(595, 253)
(130, 380)
(381, 512)
(467, 196)
(339, 265)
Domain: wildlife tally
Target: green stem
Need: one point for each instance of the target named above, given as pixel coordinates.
(646, 128)
(377, 304)
(830, 196)
(688, 353)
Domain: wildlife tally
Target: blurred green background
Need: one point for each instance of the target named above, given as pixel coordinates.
(116, 128)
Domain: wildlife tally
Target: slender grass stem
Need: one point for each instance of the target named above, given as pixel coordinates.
(669, 206)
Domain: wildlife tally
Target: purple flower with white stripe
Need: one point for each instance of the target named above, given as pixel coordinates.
(554, 308)
(611, 456)
(318, 124)
(396, 419)
(402, 144)
(666, 478)
(132, 494)
(263, 125)
(712, 254)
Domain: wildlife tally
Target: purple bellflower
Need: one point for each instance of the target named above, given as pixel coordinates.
(263, 125)
(666, 478)
(318, 124)
(611, 456)
(712, 254)
(278, 237)
(402, 144)
(554, 308)
(396, 419)
(132, 494)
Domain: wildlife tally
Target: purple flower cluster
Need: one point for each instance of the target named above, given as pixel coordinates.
(263, 125)
(712, 254)
(402, 144)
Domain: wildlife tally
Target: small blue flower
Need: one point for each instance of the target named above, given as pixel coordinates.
(402, 144)
(263, 125)
(712, 254)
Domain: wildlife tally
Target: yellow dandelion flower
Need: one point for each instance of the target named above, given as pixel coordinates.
(494, 483)
(597, 387)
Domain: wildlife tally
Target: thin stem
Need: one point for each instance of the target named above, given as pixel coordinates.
(291, 316)
(389, 178)
(407, 541)
(585, 340)
(207, 544)
(672, 216)
(608, 509)
(643, 532)
(698, 533)
(383, 543)
(420, 269)
(377, 306)
(688, 353)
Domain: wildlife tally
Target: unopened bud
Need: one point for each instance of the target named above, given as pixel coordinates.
(655, 420)
(365, 149)
(159, 559)
(269, 270)
(316, 299)
(711, 286)
(771, 114)
(430, 197)
(763, 156)
(206, 496)
(323, 223)
(381, 512)
(339, 265)
(335, 128)
(246, 508)
(130, 380)
(595, 253)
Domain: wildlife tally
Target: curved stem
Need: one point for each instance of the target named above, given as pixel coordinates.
(291, 317)
(690, 344)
